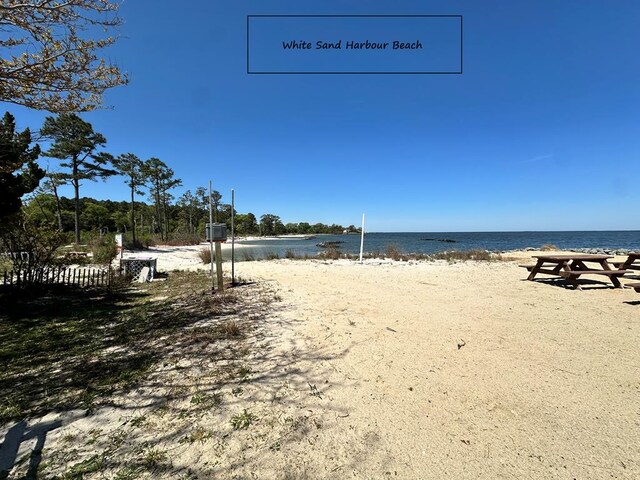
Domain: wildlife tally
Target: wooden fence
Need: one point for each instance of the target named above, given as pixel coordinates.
(62, 275)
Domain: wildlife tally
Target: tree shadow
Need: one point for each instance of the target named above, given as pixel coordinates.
(79, 350)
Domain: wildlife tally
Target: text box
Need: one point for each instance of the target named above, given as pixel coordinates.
(354, 44)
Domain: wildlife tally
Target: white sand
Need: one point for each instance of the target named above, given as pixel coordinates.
(423, 370)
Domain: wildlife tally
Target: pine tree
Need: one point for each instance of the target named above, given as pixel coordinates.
(75, 142)
(19, 172)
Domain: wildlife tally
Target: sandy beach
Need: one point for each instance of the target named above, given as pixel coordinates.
(465, 370)
(404, 370)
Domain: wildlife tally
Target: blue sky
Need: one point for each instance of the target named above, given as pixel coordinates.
(540, 132)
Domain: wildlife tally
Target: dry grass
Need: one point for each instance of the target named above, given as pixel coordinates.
(331, 253)
(463, 256)
(230, 329)
(393, 252)
(547, 247)
(205, 255)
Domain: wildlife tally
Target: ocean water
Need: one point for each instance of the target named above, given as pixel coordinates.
(430, 242)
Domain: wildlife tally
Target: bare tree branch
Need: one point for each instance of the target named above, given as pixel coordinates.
(46, 63)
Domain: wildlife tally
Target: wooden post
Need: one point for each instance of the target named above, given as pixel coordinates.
(213, 287)
(219, 266)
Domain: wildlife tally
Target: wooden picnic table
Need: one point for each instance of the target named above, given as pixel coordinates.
(572, 266)
(631, 263)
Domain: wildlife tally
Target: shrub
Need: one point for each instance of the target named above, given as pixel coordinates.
(331, 253)
(104, 250)
(205, 255)
(27, 245)
(129, 244)
(547, 246)
(393, 252)
(183, 239)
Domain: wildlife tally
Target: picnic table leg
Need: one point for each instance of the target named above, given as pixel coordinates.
(572, 277)
(616, 282)
(535, 270)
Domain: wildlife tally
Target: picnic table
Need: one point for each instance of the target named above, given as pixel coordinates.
(631, 263)
(572, 266)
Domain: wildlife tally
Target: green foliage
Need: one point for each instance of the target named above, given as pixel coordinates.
(19, 173)
(161, 180)
(76, 144)
(243, 420)
(246, 224)
(94, 216)
(104, 249)
(79, 470)
(271, 225)
(131, 167)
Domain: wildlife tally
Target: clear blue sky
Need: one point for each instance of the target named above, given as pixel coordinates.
(540, 132)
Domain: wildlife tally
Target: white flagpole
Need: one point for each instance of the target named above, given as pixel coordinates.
(213, 288)
(362, 238)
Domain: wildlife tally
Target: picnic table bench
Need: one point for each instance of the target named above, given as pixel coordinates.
(631, 263)
(572, 266)
(635, 286)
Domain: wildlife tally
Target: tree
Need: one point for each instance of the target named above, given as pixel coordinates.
(304, 227)
(46, 63)
(75, 141)
(271, 224)
(130, 166)
(292, 228)
(161, 180)
(216, 197)
(19, 172)
(51, 185)
(95, 216)
(193, 207)
(246, 224)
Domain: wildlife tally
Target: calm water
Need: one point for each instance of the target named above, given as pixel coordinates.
(429, 242)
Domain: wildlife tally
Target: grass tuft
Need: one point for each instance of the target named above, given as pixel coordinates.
(230, 329)
(205, 255)
(243, 420)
